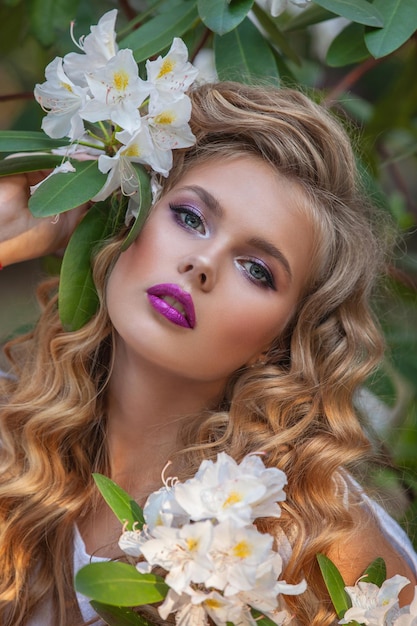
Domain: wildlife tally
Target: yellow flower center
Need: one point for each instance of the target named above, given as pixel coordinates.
(233, 498)
(67, 87)
(192, 544)
(121, 80)
(166, 67)
(212, 603)
(131, 151)
(165, 118)
(242, 550)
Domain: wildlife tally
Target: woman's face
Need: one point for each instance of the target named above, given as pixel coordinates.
(215, 274)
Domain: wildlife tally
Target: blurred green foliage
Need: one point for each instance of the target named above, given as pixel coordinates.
(359, 58)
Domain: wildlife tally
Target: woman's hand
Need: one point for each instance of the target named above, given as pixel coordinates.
(22, 236)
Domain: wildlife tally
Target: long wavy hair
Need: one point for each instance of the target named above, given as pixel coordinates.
(298, 408)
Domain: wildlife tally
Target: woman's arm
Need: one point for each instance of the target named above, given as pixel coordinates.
(22, 236)
(353, 555)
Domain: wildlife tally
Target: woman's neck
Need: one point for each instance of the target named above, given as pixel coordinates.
(146, 407)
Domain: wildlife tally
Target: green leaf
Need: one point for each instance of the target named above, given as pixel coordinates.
(118, 615)
(359, 11)
(122, 505)
(119, 584)
(335, 584)
(77, 298)
(222, 16)
(244, 55)
(312, 15)
(400, 22)
(157, 34)
(261, 619)
(62, 192)
(276, 35)
(41, 16)
(29, 163)
(28, 141)
(348, 47)
(376, 573)
(145, 203)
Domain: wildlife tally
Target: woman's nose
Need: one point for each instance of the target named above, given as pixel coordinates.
(199, 269)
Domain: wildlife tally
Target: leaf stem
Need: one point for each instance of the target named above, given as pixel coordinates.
(23, 95)
(350, 79)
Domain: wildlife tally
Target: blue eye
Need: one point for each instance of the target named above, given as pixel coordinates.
(188, 218)
(258, 273)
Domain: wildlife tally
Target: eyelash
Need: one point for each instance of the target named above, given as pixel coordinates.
(182, 211)
(268, 283)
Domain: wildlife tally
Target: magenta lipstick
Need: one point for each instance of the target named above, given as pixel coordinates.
(175, 304)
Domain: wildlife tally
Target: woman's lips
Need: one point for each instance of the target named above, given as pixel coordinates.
(175, 304)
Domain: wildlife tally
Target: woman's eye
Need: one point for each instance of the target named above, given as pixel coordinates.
(258, 273)
(188, 218)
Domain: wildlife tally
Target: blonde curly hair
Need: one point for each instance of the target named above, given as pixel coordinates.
(297, 408)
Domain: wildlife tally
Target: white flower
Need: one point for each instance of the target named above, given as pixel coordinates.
(64, 168)
(168, 125)
(63, 101)
(276, 7)
(172, 73)
(98, 48)
(274, 481)
(373, 605)
(226, 490)
(117, 92)
(162, 509)
(131, 542)
(264, 594)
(183, 552)
(237, 552)
(137, 148)
(186, 613)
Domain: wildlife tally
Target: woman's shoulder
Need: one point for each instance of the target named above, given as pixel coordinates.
(375, 534)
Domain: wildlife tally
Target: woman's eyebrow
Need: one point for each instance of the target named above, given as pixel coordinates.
(270, 249)
(206, 197)
(257, 242)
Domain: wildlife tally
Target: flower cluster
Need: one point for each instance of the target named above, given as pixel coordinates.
(202, 533)
(379, 606)
(97, 99)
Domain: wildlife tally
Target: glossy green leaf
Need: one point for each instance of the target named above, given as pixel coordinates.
(41, 16)
(313, 14)
(335, 584)
(122, 505)
(348, 47)
(29, 163)
(145, 203)
(275, 34)
(244, 55)
(157, 34)
(119, 584)
(119, 615)
(376, 573)
(28, 141)
(262, 620)
(400, 22)
(222, 16)
(359, 11)
(77, 298)
(62, 192)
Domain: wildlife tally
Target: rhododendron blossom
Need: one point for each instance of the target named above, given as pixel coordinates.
(202, 533)
(138, 121)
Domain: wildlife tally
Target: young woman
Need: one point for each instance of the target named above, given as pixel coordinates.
(238, 321)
